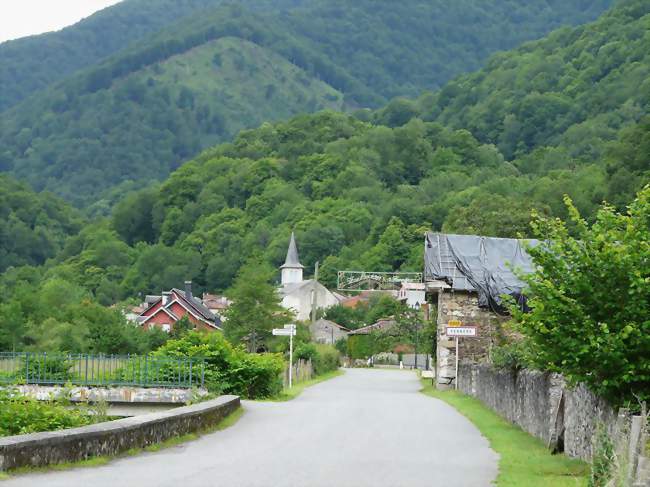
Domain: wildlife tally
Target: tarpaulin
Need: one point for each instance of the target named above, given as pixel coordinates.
(486, 265)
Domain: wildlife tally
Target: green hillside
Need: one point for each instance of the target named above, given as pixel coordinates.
(135, 117)
(33, 63)
(358, 195)
(33, 227)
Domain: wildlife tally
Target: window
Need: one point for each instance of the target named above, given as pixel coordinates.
(166, 327)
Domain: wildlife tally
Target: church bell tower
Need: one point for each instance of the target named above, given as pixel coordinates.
(292, 268)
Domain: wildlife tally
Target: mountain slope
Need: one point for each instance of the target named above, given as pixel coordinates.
(122, 124)
(30, 64)
(33, 226)
(577, 88)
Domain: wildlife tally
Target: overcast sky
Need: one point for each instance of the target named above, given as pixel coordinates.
(20, 18)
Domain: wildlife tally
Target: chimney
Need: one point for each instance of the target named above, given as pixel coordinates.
(188, 290)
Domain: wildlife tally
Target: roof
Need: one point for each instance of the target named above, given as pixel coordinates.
(193, 305)
(323, 321)
(381, 324)
(197, 305)
(295, 286)
(486, 265)
(292, 260)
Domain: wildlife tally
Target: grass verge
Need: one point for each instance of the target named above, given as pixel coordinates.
(228, 421)
(525, 461)
(288, 394)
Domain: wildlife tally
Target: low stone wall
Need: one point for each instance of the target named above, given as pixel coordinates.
(113, 437)
(541, 404)
(149, 395)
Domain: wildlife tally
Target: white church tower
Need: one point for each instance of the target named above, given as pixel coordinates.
(292, 268)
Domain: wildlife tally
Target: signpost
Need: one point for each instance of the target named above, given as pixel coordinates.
(290, 331)
(456, 329)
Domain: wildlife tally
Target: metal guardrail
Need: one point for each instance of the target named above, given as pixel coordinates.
(100, 370)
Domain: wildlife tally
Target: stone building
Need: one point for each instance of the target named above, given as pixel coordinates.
(326, 331)
(467, 275)
(297, 294)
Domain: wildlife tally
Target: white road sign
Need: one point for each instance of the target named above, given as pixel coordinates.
(461, 331)
(284, 332)
(289, 327)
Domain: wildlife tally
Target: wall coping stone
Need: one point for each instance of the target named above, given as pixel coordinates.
(111, 437)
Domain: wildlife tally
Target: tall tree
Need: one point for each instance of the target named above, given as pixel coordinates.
(256, 307)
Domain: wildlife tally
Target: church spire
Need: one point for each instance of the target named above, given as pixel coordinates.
(292, 268)
(292, 259)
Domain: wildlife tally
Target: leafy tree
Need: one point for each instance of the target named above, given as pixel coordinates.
(589, 297)
(256, 307)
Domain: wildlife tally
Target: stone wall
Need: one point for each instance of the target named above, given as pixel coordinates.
(149, 395)
(463, 306)
(112, 437)
(542, 404)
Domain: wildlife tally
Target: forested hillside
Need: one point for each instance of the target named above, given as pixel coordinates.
(360, 190)
(138, 115)
(33, 226)
(33, 63)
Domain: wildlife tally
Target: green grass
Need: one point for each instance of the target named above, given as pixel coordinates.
(288, 394)
(525, 461)
(227, 422)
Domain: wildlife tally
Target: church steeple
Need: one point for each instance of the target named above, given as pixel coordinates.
(292, 268)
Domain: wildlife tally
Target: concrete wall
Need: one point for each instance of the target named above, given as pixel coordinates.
(110, 438)
(463, 306)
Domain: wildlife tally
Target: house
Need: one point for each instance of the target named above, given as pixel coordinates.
(300, 295)
(326, 331)
(413, 294)
(216, 304)
(467, 275)
(165, 310)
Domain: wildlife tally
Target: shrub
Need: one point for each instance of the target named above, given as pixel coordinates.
(327, 359)
(306, 351)
(590, 318)
(229, 370)
(20, 415)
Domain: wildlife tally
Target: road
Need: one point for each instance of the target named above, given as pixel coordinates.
(365, 428)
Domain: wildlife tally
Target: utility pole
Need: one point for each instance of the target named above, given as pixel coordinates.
(313, 295)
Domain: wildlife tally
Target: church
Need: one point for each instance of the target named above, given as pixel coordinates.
(297, 294)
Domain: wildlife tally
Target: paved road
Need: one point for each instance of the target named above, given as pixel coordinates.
(365, 428)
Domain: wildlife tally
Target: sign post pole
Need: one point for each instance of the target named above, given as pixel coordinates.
(456, 329)
(456, 379)
(290, 331)
(291, 360)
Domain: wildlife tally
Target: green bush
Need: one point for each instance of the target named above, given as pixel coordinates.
(306, 351)
(589, 295)
(327, 359)
(229, 370)
(20, 415)
(513, 356)
(52, 368)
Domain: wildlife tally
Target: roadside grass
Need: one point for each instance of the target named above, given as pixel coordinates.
(227, 422)
(524, 460)
(288, 394)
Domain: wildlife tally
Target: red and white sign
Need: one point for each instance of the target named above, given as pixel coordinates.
(461, 331)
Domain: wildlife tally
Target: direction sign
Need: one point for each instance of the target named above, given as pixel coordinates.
(284, 332)
(289, 327)
(461, 331)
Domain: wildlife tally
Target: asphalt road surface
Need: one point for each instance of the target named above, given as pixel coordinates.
(365, 428)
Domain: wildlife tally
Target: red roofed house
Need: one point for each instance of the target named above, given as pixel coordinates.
(165, 311)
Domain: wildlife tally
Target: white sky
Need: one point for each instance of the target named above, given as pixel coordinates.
(19, 18)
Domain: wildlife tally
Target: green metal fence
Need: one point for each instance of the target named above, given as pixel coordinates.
(100, 370)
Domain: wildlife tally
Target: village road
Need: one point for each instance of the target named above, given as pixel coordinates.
(365, 428)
